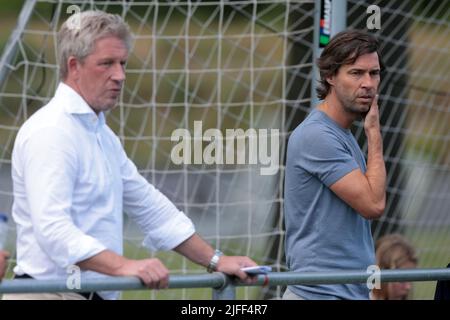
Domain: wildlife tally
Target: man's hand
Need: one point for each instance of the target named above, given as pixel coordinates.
(199, 251)
(151, 272)
(232, 265)
(372, 119)
(4, 255)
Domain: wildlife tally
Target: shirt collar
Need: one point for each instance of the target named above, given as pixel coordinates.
(75, 104)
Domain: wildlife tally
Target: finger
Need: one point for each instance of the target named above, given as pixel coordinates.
(162, 273)
(154, 280)
(148, 279)
(164, 282)
(374, 103)
(162, 278)
(251, 279)
(241, 275)
(375, 100)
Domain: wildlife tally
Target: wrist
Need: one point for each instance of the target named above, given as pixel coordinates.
(212, 266)
(373, 132)
(119, 266)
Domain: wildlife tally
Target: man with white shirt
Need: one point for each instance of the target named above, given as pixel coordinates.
(72, 179)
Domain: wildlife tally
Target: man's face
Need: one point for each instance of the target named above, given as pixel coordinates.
(355, 85)
(101, 74)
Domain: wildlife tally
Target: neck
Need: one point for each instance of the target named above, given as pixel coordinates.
(76, 88)
(333, 108)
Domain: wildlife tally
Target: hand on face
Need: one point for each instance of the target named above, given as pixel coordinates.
(372, 117)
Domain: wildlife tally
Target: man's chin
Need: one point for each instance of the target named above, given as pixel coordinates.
(111, 103)
(360, 110)
(105, 107)
(363, 108)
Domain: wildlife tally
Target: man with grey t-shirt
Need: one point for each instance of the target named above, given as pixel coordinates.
(330, 193)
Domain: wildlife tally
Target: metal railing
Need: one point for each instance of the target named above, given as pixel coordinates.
(224, 287)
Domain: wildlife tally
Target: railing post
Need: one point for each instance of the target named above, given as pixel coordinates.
(226, 292)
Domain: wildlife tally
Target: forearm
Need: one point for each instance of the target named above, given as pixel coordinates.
(106, 262)
(376, 170)
(199, 251)
(196, 249)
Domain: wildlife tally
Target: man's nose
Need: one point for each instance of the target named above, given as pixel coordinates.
(367, 81)
(118, 72)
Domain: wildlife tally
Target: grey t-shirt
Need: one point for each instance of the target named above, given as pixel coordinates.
(323, 233)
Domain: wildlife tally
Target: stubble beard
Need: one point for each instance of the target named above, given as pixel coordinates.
(352, 107)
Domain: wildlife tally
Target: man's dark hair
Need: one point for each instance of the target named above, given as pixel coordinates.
(344, 48)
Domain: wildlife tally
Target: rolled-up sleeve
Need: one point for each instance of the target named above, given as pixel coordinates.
(164, 226)
(50, 170)
(325, 156)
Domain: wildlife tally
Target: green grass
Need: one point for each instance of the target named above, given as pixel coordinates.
(433, 252)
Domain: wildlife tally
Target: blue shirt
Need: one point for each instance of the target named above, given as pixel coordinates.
(72, 181)
(323, 233)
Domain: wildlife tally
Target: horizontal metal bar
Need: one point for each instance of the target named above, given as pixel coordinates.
(218, 280)
(293, 278)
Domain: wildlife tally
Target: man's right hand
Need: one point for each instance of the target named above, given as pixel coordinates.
(372, 119)
(152, 272)
(4, 255)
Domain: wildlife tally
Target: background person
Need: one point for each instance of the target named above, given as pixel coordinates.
(393, 251)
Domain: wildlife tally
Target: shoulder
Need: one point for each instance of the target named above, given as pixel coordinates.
(313, 132)
(49, 123)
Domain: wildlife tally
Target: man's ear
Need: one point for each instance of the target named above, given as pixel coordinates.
(73, 67)
(330, 80)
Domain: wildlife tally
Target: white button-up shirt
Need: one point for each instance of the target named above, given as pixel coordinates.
(72, 181)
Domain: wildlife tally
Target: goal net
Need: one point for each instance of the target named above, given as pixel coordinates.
(246, 66)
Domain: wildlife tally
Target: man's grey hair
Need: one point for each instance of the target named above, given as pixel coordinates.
(78, 35)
